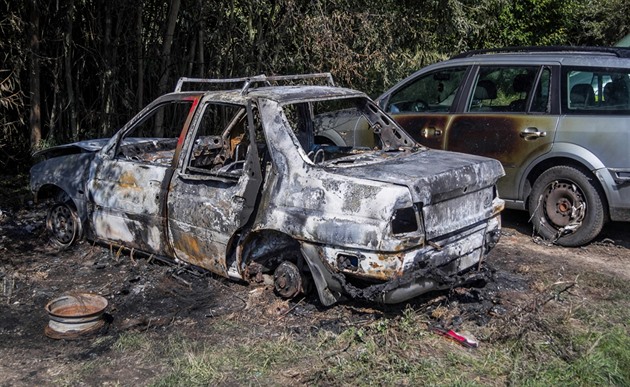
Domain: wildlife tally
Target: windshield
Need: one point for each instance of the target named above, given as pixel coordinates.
(336, 128)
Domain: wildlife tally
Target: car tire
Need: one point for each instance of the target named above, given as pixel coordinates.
(566, 207)
(63, 224)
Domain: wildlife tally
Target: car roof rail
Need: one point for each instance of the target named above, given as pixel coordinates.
(620, 52)
(213, 81)
(248, 83)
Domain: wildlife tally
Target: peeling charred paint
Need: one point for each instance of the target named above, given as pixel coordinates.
(242, 193)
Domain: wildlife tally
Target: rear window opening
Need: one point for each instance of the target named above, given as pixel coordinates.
(343, 129)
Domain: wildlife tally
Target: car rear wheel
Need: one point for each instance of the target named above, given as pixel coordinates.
(63, 224)
(289, 281)
(566, 207)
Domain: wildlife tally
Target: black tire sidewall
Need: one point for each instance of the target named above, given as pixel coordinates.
(593, 219)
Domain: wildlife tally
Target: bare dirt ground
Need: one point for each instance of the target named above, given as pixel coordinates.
(162, 300)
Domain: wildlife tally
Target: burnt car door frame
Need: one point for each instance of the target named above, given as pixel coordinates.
(127, 197)
(206, 211)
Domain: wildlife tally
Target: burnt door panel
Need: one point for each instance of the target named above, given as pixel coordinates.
(428, 129)
(423, 105)
(508, 118)
(126, 199)
(204, 213)
(512, 139)
(127, 190)
(209, 203)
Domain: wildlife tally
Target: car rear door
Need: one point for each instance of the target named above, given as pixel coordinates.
(509, 113)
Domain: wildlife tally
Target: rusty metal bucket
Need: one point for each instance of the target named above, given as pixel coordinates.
(74, 315)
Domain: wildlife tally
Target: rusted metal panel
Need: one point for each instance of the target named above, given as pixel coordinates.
(126, 203)
(498, 136)
(428, 129)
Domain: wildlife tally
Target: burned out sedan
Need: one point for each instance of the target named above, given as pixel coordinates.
(236, 180)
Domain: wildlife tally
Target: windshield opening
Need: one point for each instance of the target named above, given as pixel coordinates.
(331, 129)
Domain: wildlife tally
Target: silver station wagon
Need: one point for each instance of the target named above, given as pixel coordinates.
(236, 179)
(558, 119)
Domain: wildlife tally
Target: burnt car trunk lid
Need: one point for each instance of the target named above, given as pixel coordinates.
(454, 190)
(432, 176)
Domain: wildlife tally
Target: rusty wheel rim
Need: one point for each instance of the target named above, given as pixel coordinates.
(561, 198)
(287, 280)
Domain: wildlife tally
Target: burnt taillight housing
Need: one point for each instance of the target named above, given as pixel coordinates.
(406, 220)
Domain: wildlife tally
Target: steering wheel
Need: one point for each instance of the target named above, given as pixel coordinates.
(419, 105)
(318, 157)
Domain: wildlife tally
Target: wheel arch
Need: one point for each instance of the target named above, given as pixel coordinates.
(264, 244)
(55, 192)
(48, 191)
(570, 155)
(255, 246)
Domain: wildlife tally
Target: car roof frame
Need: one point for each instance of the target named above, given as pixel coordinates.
(619, 52)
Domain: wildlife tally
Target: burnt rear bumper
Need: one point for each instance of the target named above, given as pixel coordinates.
(440, 264)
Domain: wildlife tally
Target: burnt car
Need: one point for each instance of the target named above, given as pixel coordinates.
(232, 179)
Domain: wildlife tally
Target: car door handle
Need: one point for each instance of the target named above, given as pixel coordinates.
(532, 133)
(431, 132)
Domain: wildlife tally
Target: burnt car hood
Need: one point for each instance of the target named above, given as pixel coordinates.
(86, 146)
(432, 176)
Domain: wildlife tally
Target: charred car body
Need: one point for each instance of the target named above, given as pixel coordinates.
(235, 181)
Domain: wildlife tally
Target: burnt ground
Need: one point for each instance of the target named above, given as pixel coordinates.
(161, 300)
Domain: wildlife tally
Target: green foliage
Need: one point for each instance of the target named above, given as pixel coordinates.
(101, 62)
(536, 22)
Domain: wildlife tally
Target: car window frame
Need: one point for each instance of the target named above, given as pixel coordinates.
(188, 144)
(474, 74)
(385, 100)
(564, 91)
(554, 95)
(112, 149)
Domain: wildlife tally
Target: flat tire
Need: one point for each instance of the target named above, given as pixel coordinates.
(566, 206)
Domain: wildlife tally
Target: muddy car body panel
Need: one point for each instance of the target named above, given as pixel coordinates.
(236, 182)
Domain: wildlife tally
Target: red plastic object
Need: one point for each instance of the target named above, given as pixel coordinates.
(461, 339)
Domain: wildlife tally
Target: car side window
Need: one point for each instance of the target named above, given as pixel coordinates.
(433, 92)
(502, 89)
(221, 141)
(153, 140)
(541, 100)
(596, 91)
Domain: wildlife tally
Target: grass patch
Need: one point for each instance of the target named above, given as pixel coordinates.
(195, 363)
(557, 344)
(133, 342)
(605, 362)
(554, 337)
(401, 351)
